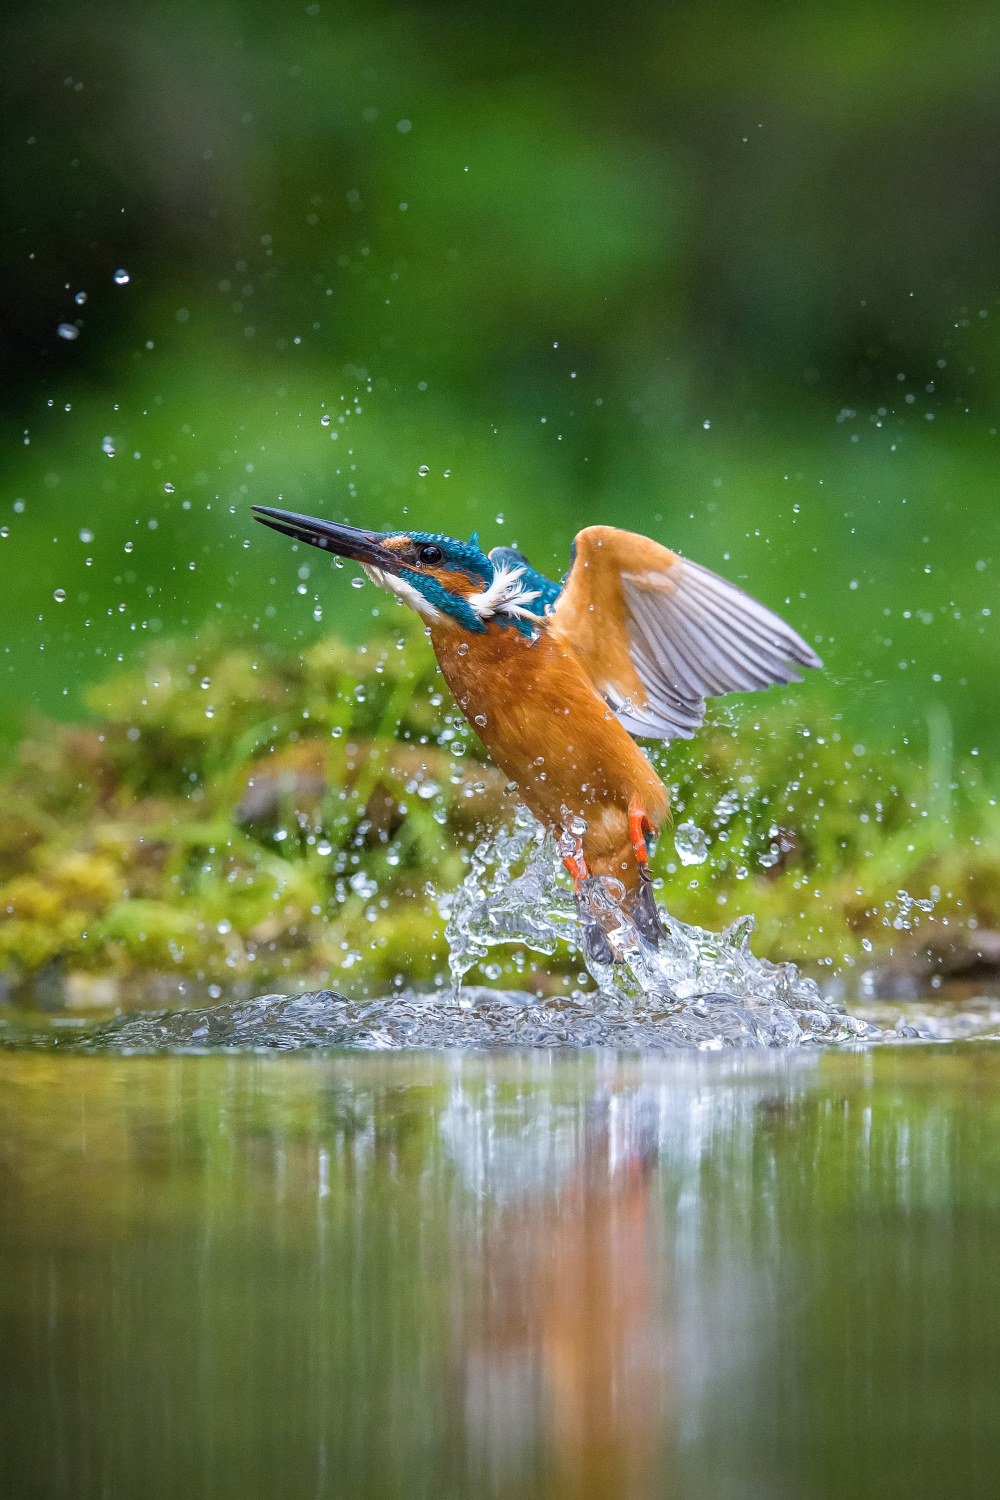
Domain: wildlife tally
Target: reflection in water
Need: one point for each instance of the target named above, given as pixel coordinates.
(500, 1278)
(565, 1339)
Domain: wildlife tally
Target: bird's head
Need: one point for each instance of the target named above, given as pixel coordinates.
(442, 578)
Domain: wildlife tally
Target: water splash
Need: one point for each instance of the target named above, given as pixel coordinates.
(698, 988)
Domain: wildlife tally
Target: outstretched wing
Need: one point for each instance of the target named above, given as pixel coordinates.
(657, 634)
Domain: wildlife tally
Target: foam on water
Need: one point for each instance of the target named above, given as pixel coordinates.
(699, 990)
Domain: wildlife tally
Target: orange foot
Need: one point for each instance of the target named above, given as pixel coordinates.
(638, 827)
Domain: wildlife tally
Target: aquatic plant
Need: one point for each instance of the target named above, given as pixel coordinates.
(234, 818)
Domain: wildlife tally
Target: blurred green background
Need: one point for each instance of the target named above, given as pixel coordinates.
(725, 274)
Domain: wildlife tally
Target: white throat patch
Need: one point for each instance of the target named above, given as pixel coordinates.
(403, 590)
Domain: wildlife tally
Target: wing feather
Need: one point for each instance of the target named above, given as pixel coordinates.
(658, 634)
(736, 649)
(715, 663)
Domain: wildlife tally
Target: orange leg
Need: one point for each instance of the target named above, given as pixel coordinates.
(638, 827)
(576, 864)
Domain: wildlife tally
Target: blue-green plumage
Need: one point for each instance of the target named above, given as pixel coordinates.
(548, 592)
(470, 558)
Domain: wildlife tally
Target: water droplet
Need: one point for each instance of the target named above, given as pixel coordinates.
(481, 720)
(324, 420)
(224, 927)
(691, 843)
(206, 682)
(324, 847)
(463, 648)
(128, 546)
(86, 536)
(122, 278)
(68, 331)
(318, 613)
(59, 595)
(168, 488)
(356, 583)
(423, 470)
(108, 446)
(4, 531)
(866, 945)
(80, 298)
(500, 517)
(706, 425)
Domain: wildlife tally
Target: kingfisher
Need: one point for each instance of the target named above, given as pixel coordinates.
(560, 680)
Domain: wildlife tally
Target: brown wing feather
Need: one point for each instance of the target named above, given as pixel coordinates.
(657, 634)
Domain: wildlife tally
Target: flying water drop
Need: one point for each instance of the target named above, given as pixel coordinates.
(68, 331)
(59, 595)
(691, 843)
(108, 446)
(122, 278)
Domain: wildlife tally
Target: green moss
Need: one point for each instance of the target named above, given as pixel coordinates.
(244, 816)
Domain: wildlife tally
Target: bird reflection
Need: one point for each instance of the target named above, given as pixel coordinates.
(567, 1345)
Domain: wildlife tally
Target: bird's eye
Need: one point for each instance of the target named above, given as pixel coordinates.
(430, 554)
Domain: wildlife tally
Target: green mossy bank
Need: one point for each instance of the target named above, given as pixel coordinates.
(237, 816)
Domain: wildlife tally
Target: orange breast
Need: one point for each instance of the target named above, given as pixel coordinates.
(535, 710)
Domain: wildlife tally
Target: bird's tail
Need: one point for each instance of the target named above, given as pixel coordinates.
(612, 917)
(640, 904)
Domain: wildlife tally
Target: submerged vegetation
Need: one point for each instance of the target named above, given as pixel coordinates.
(235, 817)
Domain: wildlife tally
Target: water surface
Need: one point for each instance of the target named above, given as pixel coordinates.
(535, 1274)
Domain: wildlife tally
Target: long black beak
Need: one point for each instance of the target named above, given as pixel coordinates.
(347, 541)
